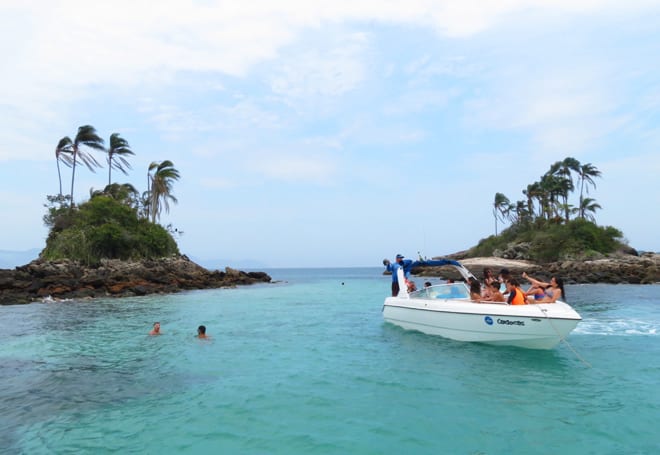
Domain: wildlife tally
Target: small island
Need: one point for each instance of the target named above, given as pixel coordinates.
(111, 245)
(547, 235)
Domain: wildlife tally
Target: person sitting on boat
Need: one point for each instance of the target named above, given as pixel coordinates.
(554, 290)
(488, 277)
(494, 293)
(411, 286)
(503, 277)
(535, 292)
(401, 262)
(487, 291)
(475, 289)
(516, 295)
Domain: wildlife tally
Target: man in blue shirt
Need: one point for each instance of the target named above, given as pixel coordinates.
(406, 264)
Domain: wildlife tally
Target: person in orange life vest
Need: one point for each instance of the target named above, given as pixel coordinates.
(516, 295)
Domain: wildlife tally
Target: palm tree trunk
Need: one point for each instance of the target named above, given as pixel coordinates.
(73, 175)
(59, 175)
(581, 212)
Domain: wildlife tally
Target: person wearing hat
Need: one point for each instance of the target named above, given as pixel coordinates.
(401, 262)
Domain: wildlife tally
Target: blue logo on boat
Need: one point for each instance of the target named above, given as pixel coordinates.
(488, 320)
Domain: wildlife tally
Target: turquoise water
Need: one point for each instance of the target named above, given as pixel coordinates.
(307, 365)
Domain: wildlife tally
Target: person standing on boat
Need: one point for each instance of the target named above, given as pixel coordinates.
(401, 262)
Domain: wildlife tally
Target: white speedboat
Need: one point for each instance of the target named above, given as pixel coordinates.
(447, 310)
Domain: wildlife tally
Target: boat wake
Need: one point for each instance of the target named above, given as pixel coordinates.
(618, 327)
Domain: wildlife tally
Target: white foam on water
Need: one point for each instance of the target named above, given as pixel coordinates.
(618, 327)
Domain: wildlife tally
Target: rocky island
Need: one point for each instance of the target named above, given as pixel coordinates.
(111, 245)
(68, 279)
(614, 269)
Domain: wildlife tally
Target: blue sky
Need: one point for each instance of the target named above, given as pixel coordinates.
(334, 133)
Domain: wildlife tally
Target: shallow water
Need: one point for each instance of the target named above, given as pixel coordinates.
(307, 365)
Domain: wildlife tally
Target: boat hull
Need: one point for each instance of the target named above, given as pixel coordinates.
(529, 326)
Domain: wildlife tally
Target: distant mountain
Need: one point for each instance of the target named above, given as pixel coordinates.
(11, 259)
(220, 264)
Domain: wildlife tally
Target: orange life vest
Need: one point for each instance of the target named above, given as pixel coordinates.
(518, 297)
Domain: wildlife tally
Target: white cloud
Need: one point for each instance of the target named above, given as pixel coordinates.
(327, 70)
(69, 46)
(316, 168)
(179, 123)
(217, 183)
(567, 110)
(419, 100)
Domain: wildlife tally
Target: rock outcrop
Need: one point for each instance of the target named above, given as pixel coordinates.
(114, 278)
(618, 269)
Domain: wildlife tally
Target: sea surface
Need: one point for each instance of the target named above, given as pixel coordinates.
(307, 366)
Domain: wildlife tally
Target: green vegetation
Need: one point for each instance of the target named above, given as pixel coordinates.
(546, 241)
(541, 226)
(103, 227)
(117, 222)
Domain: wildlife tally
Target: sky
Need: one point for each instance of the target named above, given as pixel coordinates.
(333, 133)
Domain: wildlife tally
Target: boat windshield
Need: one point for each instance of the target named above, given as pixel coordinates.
(442, 291)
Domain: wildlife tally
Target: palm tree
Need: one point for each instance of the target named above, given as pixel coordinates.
(63, 154)
(586, 174)
(86, 136)
(566, 168)
(564, 187)
(534, 191)
(124, 193)
(518, 213)
(548, 187)
(500, 207)
(117, 151)
(160, 187)
(588, 207)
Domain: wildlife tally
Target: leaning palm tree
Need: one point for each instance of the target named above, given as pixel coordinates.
(86, 136)
(564, 187)
(588, 208)
(117, 151)
(501, 206)
(534, 192)
(63, 154)
(586, 175)
(160, 187)
(566, 169)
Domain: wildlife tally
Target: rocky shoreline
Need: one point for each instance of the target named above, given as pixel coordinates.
(616, 269)
(67, 279)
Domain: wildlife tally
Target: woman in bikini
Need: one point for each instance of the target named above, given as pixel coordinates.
(554, 290)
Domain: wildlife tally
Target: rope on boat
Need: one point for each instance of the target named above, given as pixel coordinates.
(579, 357)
